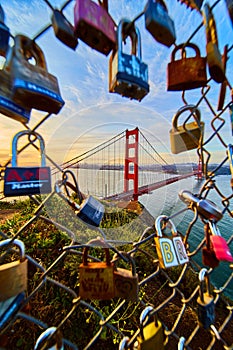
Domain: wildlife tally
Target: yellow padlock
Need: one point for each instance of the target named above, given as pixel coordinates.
(151, 331)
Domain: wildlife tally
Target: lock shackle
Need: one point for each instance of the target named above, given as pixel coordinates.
(143, 319)
(26, 48)
(134, 35)
(169, 222)
(181, 343)
(210, 25)
(183, 52)
(192, 108)
(188, 198)
(204, 278)
(123, 343)
(16, 242)
(99, 243)
(15, 142)
(129, 258)
(43, 337)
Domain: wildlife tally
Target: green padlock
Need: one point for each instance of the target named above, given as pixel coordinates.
(151, 331)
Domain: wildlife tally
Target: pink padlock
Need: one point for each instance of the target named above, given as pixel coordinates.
(219, 244)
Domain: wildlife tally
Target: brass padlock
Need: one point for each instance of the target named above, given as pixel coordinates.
(4, 34)
(63, 29)
(126, 281)
(96, 278)
(128, 74)
(214, 58)
(187, 136)
(188, 72)
(13, 283)
(170, 248)
(51, 338)
(33, 85)
(151, 331)
(158, 22)
(22, 181)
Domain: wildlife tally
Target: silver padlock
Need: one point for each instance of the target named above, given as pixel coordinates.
(55, 343)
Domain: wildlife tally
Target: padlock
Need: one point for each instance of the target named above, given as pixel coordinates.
(170, 249)
(63, 29)
(208, 255)
(230, 158)
(187, 136)
(188, 72)
(193, 4)
(205, 207)
(94, 25)
(13, 283)
(22, 181)
(4, 34)
(33, 85)
(51, 338)
(158, 22)
(205, 301)
(8, 106)
(229, 4)
(96, 278)
(128, 75)
(151, 331)
(219, 244)
(126, 281)
(214, 58)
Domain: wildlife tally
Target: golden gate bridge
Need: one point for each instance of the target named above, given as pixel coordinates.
(124, 168)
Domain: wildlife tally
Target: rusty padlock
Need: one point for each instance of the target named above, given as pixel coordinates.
(188, 72)
(187, 136)
(96, 278)
(63, 29)
(4, 34)
(13, 283)
(33, 85)
(94, 25)
(126, 281)
(158, 22)
(214, 58)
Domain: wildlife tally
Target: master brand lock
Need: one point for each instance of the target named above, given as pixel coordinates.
(94, 25)
(219, 244)
(128, 75)
(188, 72)
(205, 301)
(151, 331)
(52, 338)
(188, 135)
(4, 34)
(96, 278)
(126, 281)
(170, 249)
(208, 255)
(63, 29)
(158, 22)
(214, 58)
(22, 181)
(13, 283)
(33, 85)
(8, 106)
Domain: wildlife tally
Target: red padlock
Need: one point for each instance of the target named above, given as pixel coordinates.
(219, 244)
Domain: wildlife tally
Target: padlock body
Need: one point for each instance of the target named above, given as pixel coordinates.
(186, 74)
(94, 26)
(22, 181)
(209, 258)
(214, 61)
(8, 106)
(91, 211)
(166, 252)
(63, 30)
(4, 39)
(126, 285)
(128, 76)
(206, 310)
(96, 281)
(180, 250)
(159, 24)
(153, 337)
(13, 279)
(221, 248)
(184, 139)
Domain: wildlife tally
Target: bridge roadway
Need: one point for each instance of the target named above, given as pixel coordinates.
(149, 188)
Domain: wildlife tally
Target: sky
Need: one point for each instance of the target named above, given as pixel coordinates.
(91, 114)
